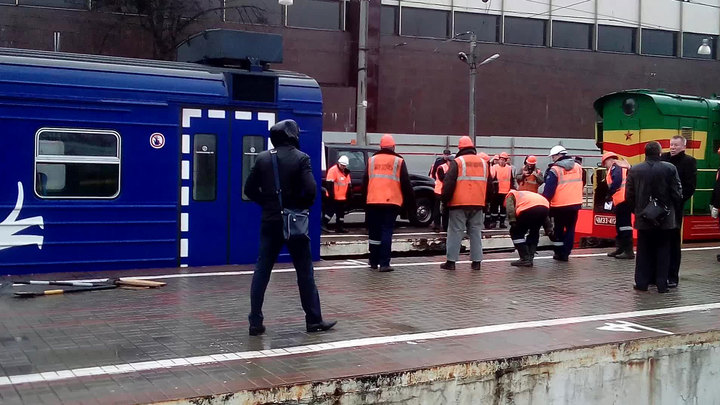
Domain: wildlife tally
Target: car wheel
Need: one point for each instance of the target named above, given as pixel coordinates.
(424, 211)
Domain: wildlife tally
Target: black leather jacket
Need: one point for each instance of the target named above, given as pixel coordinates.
(657, 179)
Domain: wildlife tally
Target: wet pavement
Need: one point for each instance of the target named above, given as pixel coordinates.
(189, 338)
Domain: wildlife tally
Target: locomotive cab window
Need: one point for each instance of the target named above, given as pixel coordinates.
(77, 163)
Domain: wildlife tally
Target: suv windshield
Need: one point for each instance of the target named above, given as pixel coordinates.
(356, 158)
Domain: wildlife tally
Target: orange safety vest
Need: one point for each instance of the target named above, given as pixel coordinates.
(438, 183)
(503, 174)
(340, 181)
(530, 182)
(384, 180)
(471, 184)
(569, 189)
(619, 196)
(525, 200)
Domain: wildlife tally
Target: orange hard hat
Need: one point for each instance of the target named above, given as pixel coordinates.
(608, 155)
(465, 142)
(504, 155)
(387, 141)
(496, 157)
(484, 156)
(531, 160)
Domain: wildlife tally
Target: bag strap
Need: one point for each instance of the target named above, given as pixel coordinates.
(278, 190)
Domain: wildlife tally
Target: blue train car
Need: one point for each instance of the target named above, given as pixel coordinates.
(112, 163)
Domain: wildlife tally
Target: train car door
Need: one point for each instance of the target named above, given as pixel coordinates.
(218, 224)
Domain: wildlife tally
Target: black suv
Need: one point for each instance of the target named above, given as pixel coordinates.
(424, 186)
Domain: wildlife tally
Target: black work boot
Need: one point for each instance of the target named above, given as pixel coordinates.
(525, 258)
(448, 265)
(476, 265)
(626, 246)
(618, 248)
(322, 326)
(340, 227)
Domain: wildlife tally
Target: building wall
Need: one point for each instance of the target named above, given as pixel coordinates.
(417, 85)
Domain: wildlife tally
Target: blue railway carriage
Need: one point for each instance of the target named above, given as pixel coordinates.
(111, 163)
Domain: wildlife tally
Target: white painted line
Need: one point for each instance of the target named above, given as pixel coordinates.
(184, 222)
(185, 196)
(125, 368)
(186, 170)
(216, 114)
(243, 115)
(185, 144)
(647, 328)
(183, 247)
(187, 114)
(346, 267)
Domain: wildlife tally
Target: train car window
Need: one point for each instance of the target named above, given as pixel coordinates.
(571, 35)
(659, 42)
(322, 14)
(628, 106)
(616, 39)
(204, 167)
(77, 163)
(264, 12)
(389, 20)
(486, 27)
(422, 22)
(72, 4)
(691, 43)
(525, 31)
(252, 146)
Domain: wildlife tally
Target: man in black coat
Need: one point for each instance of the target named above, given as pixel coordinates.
(653, 178)
(687, 170)
(298, 191)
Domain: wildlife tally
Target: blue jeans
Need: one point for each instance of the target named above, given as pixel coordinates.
(381, 224)
(271, 242)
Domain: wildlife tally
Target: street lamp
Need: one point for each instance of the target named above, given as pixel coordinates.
(285, 2)
(471, 60)
(704, 49)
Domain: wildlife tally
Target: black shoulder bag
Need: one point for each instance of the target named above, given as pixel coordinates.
(296, 222)
(655, 211)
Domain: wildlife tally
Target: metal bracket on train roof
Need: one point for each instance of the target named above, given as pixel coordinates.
(232, 48)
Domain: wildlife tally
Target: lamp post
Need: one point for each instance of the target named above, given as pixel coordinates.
(471, 61)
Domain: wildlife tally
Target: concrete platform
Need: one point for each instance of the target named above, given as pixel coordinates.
(188, 342)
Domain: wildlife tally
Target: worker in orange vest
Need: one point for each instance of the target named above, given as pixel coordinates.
(564, 190)
(339, 186)
(530, 178)
(465, 192)
(440, 167)
(502, 174)
(527, 212)
(616, 177)
(388, 189)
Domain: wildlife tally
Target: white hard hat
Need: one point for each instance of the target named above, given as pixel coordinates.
(557, 149)
(344, 160)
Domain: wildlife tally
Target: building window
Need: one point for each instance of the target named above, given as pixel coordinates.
(322, 14)
(77, 163)
(658, 42)
(72, 4)
(204, 167)
(9, 2)
(252, 146)
(571, 35)
(616, 39)
(486, 27)
(265, 12)
(422, 22)
(524, 31)
(389, 20)
(691, 43)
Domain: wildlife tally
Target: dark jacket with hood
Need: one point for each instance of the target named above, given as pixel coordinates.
(657, 179)
(450, 181)
(551, 181)
(296, 177)
(405, 185)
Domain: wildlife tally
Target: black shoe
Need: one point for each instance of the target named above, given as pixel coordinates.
(320, 327)
(257, 330)
(373, 266)
(560, 258)
(503, 226)
(672, 284)
(448, 265)
(635, 287)
(718, 257)
(625, 255)
(665, 291)
(522, 263)
(385, 269)
(615, 252)
(473, 265)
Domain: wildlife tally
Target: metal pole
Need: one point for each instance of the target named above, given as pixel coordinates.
(56, 41)
(361, 117)
(473, 73)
